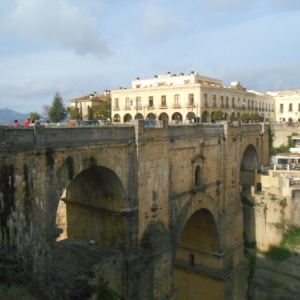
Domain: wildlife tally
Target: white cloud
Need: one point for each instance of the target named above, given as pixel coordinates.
(157, 23)
(60, 22)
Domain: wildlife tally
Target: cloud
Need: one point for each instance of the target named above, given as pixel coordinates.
(286, 4)
(228, 4)
(60, 22)
(157, 23)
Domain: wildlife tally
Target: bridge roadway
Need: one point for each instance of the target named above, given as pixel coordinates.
(163, 199)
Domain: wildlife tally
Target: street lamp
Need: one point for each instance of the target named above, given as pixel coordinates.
(136, 105)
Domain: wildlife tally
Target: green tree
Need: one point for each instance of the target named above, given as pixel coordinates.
(74, 113)
(232, 117)
(104, 112)
(34, 116)
(57, 111)
(256, 117)
(218, 115)
(245, 116)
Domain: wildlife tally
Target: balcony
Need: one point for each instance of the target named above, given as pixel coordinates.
(116, 107)
(206, 104)
(176, 105)
(163, 105)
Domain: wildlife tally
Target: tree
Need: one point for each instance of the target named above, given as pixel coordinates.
(104, 112)
(34, 116)
(245, 117)
(57, 111)
(74, 113)
(232, 117)
(218, 115)
(256, 117)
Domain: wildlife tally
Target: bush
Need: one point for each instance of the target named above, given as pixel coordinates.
(278, 254)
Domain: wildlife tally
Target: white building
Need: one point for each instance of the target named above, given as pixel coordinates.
(177, 98)
(287, 105)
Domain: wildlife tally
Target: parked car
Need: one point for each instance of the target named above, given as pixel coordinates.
(90, 123)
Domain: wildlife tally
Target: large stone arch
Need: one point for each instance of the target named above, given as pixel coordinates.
(95, 199)
(103, 175)
(249, 167)
(198, 259)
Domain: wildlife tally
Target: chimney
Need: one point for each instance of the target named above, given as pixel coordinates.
(138, 78)
(155, 76)
(91, 96)
(192, 72)
(181, 74)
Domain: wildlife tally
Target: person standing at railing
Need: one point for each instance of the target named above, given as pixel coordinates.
(16, 123)
(27, 122)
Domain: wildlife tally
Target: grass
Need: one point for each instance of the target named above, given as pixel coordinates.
(291, 239)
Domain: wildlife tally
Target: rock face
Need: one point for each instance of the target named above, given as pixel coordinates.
(276, 280)
(266, 224)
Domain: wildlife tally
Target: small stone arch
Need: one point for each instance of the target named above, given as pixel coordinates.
(205, 117)
(177, 117)
(151, 116)
(139, 116)
(190, 115)
(164, 116)
(116, 118)
(127, 118)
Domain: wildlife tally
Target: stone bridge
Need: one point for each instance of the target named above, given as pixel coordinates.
(162, 200)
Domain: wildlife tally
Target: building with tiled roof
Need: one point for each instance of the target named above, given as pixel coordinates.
(90, 103)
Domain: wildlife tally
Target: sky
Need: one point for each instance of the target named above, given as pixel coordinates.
(77, 47)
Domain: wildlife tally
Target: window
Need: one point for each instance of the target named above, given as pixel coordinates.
(281, 107)
(139, 102)
(227, 102)
(150, 102)
(298, 106)
(222, 101)
(163, 101)
(177, 100)
(191, 100)
(205, 100)
(214, 101)
(197, 176)
(127, 102)
(290, 106)
(116, 103)
(233, 103)
(192, 260)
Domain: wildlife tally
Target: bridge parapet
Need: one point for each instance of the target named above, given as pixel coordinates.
(40, 137)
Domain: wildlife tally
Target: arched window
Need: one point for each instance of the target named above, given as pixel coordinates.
(192, 260)
(197, 176)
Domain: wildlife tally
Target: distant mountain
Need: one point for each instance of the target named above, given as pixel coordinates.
(7, 116)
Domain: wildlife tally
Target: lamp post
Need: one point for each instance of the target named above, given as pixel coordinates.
(136, 106)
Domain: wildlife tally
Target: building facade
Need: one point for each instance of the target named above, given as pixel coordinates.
(187, 98)
(89, 104)
(287, 105)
